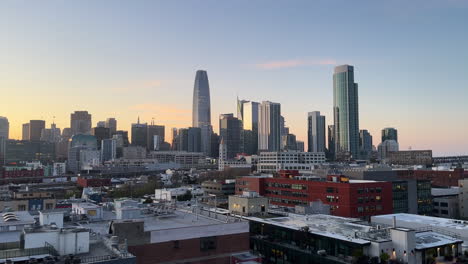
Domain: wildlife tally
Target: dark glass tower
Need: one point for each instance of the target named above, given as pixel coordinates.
(346, 112)
(201, 111)
(389, 133)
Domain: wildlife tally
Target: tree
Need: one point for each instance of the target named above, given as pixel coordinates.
(384, 257)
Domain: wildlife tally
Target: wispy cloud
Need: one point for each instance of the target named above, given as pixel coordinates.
(144, 85)
(280, 64)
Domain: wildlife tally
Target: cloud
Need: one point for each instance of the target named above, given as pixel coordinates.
(140, 86)
(272, 65)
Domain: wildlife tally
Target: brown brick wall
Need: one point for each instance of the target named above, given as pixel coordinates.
(189, 249)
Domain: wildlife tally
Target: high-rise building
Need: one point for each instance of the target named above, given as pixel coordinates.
(316, 132)
(346, 111)
(215, 145)
(100, 133)
(4, 128)
(201, 111)
(35, 129)
(230, 130)
(300, 146)
(124, 134)
(365, 144)
(240, 108)
(389, 133)
(111, 123)
(269, 126)
(66, 133)
(25, 132)
(174, 137)
(108, 149)
(155, 130)
(250, 112)
(101, 124)
(289, 142)
(331, 142)
(3, 141)
(140, 134)
(51, 134)
(194, 142)
(386, 147)
(80, 122)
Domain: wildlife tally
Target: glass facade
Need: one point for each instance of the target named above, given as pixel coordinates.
(201, 111)
(345, 110)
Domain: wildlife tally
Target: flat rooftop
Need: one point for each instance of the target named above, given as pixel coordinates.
(431, 239)
(421, 220)
(16, 218)
(445, 191)
(340, 228)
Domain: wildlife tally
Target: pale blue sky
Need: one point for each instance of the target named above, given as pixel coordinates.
(130, 58)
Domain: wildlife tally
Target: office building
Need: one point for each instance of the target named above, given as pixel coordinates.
(386, 147)
(108, 149)
(271, 162)
(250, 115)
(300, 146)
(111, 123)
(82, 152)
(201, 112)
(346, 112)
(124, 135)
(101, 124)
(331, 142)
(194, 139)
(35, 129)
(2, 151)
(4, 127)
(316, 132)
(51, 134)
(100, 133)
(80, 122)
(25, 132)
(347, 198)
(26, 150)
(410, 157)
(389, 133)
(155, 130)
(289, 142)
(230, 130)
(240, 108)
(140, 134)
(365, 144)
(445, 202)
(269, 127)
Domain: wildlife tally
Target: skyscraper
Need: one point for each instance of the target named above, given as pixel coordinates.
(108, 149)
(51, 134)
(316, 132)
(201, 111)
(80, 122)
(140, 134)
(111, 123)
(155, 130)
(250, 112)
(35, 129)
(365, 144)
(230, 129)
(331, 142)
(4, 127)
(389, 133)
(100, 133)
(346, 111)
(25, 134)
(240, 109)
(269, 127)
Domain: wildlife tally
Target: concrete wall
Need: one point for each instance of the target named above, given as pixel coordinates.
(46, 218)
(247, 206)
(66, 242)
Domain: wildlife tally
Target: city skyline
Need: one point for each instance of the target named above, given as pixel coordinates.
(61, 75)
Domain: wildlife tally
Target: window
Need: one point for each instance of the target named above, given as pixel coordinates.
(176, 243)
(49, 206)
(378, 198)
(21, 207)
(360, 209)
(207, 243)
(444, 212)
(442, 204)
(378, 190)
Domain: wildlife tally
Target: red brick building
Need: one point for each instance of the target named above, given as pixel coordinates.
(347, 198)
(21, 173)
(445, 178)
(92, 182)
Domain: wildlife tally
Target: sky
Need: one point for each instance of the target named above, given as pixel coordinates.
(126, 59)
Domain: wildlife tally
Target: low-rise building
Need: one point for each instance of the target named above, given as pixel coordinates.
(410, 157)
(247, 204)
(270, 162)
(87, 210)
(329, 239)
(219, 188)
(445, 202)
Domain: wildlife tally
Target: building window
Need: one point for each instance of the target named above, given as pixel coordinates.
(444, 212)
(207, 243)
(442, 204)
(21, 207)
(360, 209)
(176, 244)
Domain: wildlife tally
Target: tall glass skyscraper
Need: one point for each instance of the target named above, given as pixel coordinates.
(4, 127)
(346, 111)
(201, 111)
(269, 127)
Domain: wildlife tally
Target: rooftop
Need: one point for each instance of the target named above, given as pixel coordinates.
(16, 218)
(445, 191)
(431, 240)
(325, 225)
(424, 220)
